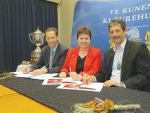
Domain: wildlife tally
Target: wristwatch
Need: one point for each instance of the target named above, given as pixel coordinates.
(122, 84)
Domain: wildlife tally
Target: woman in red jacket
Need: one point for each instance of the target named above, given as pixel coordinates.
(83, 59)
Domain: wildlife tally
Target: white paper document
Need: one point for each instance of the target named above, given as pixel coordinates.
(93, 86)
(71, 81)
(38, 77)
(58, 80)
(20, 74)
(52, 81)
(43, 76)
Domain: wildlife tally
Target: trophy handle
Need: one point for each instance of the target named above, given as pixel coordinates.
(44, 39)
(30, 38)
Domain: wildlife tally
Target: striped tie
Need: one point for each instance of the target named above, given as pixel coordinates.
(51, 58)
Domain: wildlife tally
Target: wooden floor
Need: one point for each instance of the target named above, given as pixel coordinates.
(13, 102)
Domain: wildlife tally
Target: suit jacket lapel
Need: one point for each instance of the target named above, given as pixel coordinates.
(111, 59)
(74, 58)
(125, 56)
(47, 56)
(88, 60)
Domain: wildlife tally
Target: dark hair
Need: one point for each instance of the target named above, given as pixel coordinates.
(84, 30)
(117, 21)
(52, 29)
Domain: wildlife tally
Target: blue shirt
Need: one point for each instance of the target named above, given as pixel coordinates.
(116, 74)
(53, 50)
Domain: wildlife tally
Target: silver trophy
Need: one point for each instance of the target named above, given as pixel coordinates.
(38, 39)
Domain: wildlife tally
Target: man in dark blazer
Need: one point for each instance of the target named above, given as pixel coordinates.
(127, 64)
(58, 58)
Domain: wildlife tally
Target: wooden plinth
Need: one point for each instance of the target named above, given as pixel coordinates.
(34, 57)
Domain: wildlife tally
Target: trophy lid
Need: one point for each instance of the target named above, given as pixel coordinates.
(38, 31)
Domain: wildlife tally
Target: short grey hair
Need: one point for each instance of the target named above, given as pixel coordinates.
(117, 21)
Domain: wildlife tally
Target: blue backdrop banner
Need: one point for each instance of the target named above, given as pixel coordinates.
(96, 15)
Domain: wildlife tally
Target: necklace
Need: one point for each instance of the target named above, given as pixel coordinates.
(119, 63)
(118, 66)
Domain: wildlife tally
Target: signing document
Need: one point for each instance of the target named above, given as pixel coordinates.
(38, 77)
(58, 80)
(93, 86)
(70, 84)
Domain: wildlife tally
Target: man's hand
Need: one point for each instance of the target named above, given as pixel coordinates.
(39, 71)
(89, 79)
(75, 76)
(62, 74)
(26, 70)
(109, 83)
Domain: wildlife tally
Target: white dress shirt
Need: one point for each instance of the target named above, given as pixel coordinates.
(116, 74)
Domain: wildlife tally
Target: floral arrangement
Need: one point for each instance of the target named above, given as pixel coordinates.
(6, 75)
(104, 106)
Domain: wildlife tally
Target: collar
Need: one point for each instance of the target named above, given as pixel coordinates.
(54, 48)
(122, 46)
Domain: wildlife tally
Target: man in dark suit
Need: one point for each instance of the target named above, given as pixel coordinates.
(52, 56)
(127, 64)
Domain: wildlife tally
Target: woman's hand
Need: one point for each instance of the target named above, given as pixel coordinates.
(75, 76)
(63, 74)
(88, 79)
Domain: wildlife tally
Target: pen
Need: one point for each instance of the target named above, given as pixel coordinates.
(85, 78)
(27, 63)
(70, 69)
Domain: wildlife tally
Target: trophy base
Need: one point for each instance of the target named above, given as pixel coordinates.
(34, 57)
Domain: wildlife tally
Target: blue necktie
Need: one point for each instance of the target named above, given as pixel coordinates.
(51, 58)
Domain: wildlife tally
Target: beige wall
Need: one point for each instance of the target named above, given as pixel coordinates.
(65, 20)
